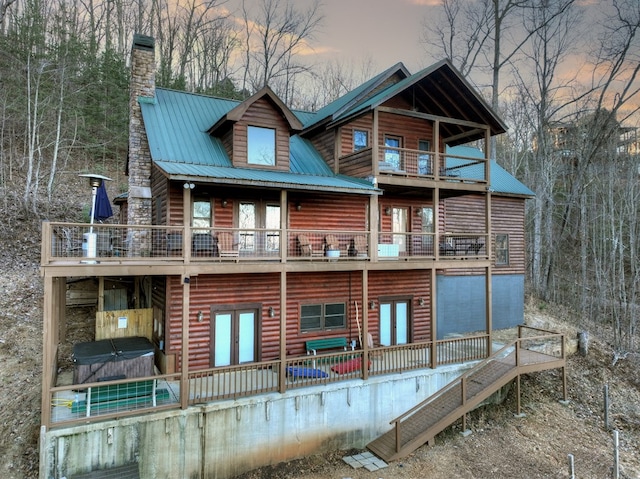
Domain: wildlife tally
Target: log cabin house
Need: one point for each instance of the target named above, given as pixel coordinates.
(267, 250)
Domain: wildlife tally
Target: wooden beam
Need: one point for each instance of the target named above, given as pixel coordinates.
(184, 367)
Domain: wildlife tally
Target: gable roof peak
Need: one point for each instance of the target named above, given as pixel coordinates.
(238, 112)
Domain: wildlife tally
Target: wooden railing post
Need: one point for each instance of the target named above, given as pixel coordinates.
(398, 436)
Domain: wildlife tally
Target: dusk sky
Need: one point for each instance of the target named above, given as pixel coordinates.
(383, 31)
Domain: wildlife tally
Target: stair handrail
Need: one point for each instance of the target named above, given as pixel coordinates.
(516, 343)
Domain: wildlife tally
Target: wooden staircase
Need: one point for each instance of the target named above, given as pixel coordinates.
(420, 424)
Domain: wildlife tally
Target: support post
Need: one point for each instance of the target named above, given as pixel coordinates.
(282, 384)
(365, 325)
(184, 376)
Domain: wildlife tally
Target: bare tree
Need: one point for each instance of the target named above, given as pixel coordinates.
(275, 37)
(486, 36)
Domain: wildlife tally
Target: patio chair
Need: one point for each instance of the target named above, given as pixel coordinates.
(174, 244)
(358, 246)
(226, 247)
(304, 246)
(331, 242)
(372, 352)
(474, 248)
(203, 244)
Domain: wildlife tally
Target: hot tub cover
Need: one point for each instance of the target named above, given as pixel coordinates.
(115, 349)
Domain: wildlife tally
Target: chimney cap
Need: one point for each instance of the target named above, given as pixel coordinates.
(143, 42)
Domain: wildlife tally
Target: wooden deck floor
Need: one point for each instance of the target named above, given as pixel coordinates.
(420, 425)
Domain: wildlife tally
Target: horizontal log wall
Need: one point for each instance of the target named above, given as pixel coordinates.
(507, 217)
(410, 129)
(365, 123)
(302, 288)
(411, 285)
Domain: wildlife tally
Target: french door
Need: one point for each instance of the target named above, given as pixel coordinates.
(259, 215)
(234, 337)
(394, 322)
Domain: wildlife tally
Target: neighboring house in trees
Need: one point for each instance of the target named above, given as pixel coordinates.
(261, 239)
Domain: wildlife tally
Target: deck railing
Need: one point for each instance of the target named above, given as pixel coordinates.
(430, 164)
(100, 400)
(108, 399)
(99, 243)
(511, 356)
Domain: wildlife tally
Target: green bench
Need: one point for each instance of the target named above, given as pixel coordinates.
(314, 345)
(119, 396)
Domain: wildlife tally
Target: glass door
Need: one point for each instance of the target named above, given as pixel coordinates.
(394, 322)
(234, 338)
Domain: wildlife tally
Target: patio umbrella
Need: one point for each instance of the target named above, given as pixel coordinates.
(102, 209)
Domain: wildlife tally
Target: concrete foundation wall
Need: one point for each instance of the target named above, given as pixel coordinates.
(227, 438)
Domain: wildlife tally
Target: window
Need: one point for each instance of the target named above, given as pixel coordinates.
(322, 317)
(502, 250)
(399, 225)
(392, 158)
(261, 146)
(360, 139)
(247, 221)
(201, 215)
(426, 219)
(424, 160)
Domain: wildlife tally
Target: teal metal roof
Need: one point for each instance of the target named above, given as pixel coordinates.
(177, 122)
(461, 101)
(501, 180)
(335, 107)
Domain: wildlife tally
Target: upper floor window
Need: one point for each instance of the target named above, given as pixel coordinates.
(424, 159)
(261, 146)
(392, 157)
(360, 139)
(502, 250)
(201, 214)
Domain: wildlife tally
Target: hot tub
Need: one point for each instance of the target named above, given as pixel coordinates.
(116, 358)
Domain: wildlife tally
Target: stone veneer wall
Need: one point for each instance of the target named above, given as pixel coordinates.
(142, 85)
(142, 88)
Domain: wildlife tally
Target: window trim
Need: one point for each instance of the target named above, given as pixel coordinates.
(249, 142)
(323, 314)
(353, 139)
(201, 228)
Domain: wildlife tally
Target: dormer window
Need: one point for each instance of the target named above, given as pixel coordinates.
(261, 146)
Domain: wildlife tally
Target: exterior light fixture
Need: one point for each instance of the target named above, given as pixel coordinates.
(224, 203)
(421, 301)
(272, 312)
(189, 186)
(387, 211)
(372, 305)
(200, 316)
(298, 206)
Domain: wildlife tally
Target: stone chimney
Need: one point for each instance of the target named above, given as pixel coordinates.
(142, 89)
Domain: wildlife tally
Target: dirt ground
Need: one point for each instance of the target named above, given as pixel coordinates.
(501, 445)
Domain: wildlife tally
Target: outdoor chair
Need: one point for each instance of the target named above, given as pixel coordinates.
(203, 244)
(226, 247)
(174, 244)
(358, 246)
(304, 245)
(331, 242)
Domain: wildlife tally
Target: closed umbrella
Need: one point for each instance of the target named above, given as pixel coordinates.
(102, 209)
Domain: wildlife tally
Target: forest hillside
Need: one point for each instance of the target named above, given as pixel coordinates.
(501, 446)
